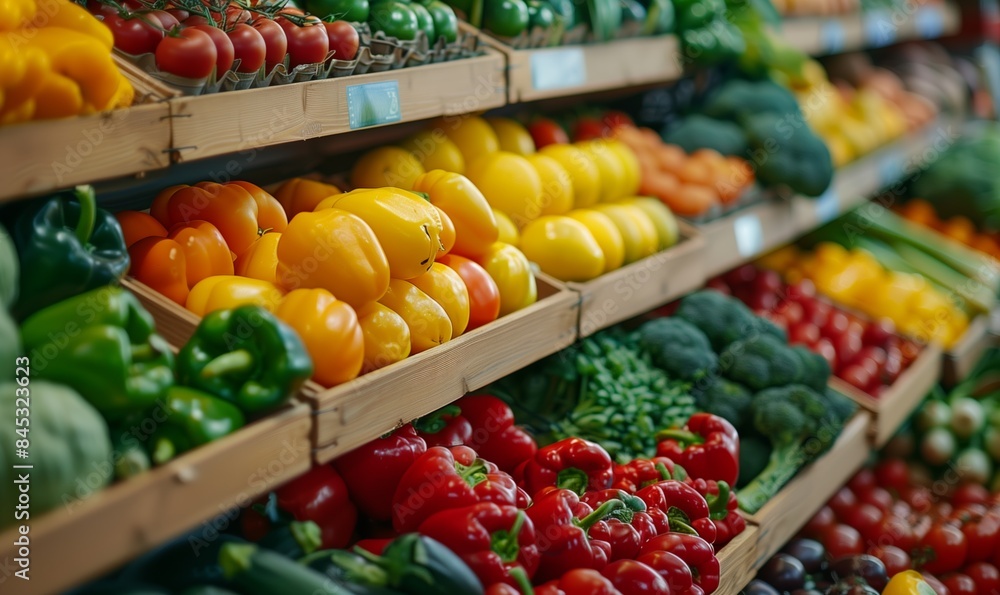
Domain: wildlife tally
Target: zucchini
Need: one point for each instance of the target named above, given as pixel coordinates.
(258, 571)
(186, 562)
(973, 292)
(293, 539)
(353, 572)
(423, 566)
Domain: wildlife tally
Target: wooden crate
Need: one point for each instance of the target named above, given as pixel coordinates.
(894, 406)
(791, 508)
(958, 361)
(246, 120)
(747, 233)
(93, 535)
(642, 285)
(737, 561)
(353, 413)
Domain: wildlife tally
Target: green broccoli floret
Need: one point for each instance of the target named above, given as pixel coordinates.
(678, 348)
(726, 399)
(840, 407)
(800, 425)
(815, 368)
(723, 319)
(766, 326)
(761, 361)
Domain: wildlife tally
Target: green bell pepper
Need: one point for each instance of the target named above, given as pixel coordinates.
(9, 270)
(540, 14)
(246, 356)
(66, 248)
(693, 15)
(355, 11)
(103, 344)
(394, 18)
(566, 12)
(445, 21)
(425, 22)
(193, 418)
(506, 18)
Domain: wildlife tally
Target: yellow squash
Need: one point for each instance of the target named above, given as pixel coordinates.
(475, 225)
(445, 287)
(511, 271)
(607, 235)
(563, 247)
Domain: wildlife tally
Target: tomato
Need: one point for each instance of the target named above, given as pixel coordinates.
(985, 575)
(190, 53)
(970, 493)
(982, 535)
(821, 521)
(275, 41)
(893, 365)
(225, 52)
(856, 375)
(803, 292)
(546, 132)
(877, 355)
(344, 40)
(179, 14)
(248, 47)
(842, 540)
(803, 333)
(484, 295)
(134, 35)
(862, 482)
(935, 584)
(614, 119)
(793, 313)
(307, 44)
(959, 584)
(836, 325)
(879, 333)
(167, 20)
(878, 497)
(893, 474)
(195, 20)
(947, 546)
(842, 502)
(816, 312)
(587, 128)
(867, 519)
(848, 346)
(895, 559)
(919, 498)
(237, 14)
(98, 8)
(896, 531)
(768, 282)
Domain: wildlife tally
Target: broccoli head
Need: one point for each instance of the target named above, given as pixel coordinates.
(678, 348)
(759, 362)
(815, 368)
(723, 319)
(769, 328)
(726, 399)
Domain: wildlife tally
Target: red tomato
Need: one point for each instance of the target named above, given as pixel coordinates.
(895, 559)
(274, 39)
(719, 284)
(959, 584)
(167, 20)
(742, 275)
(867, 519)
(836, 325)
(879, 333)
(816, 312)
(935, 584)
(842, 540)
(893, 474)
(195, 20)
(970, 493)
(97, 8)
(588, 129)
(862, 482)
(848, 346)
(344, 40)
(919, 498)
(949, 548)
(877, 497)
(225, 52)
(896, 531)
(546, 132)
(190, 53)
(248, 47)
(179, 14)
(803, 333)
(821, 521)
(982, 535)
(307, 44)
(877, 355)
(134, 35)
(893, 365)
(986, 576)
(768, 282)
(856, 375)
(614, 119)
(484, 295)
(793, 313)
(237, 14)
(803, 292)
(842, 502)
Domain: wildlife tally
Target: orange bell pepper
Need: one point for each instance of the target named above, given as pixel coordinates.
(206, 250)
(159, 207)
(260, 261)
(227, 291)
(330, 330)
(160, 263)
(301, 195)
(270, 214)
(228, 207)
(137, 225)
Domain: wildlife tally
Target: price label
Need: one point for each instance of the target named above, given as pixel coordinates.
(558, 69)
(373, 104)
(749, 235)
(827, 205)
(890, 169)
(929, 22)
(832, 36)
(879, 28)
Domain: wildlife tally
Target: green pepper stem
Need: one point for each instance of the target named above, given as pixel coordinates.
(476, 16)
(664, 472)
(164, 451)
(307, 534)
(228, 363)
(718, 505)
(506, 543)
(88, 213)
(433, 423)
(684, 437)
(573, 479)
(473, 474)
(599, 514)
(521, 578)
(236, 558)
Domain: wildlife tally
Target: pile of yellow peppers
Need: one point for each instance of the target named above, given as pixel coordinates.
(855, 279)
(56, 61)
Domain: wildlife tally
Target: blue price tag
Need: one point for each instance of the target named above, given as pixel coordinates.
(827, 205)
(558, 69)
(879, 29)
(832, 36)
(373, 104)
(749, 235)
(890, 169)
(929, 22)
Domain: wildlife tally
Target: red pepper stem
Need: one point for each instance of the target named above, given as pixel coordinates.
(88, 213)
(473, 474)
(683, 437)
(228, 363)
(435, 422)
(599, 514)
(573, 479)
(506, 543)
(718, 504)
(521, 578)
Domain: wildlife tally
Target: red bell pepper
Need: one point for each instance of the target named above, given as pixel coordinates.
(708, 447)
(581, 581)
(673, 570)
(494, 435)
(696, 553)
(375, 546)
(572, 463)
(563, 522)
(445, 478)
(676, 506)
(501, 589)
(445, 427)
(319, 496)
(493, 540)
(635, 578)
(639, 473)
(373, 471)
(723, 509)
(627, 528)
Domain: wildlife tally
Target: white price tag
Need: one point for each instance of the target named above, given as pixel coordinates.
(879, 29)
(832, 36)
(558, 69)
(890, 169)
(749, 235)
(372, 104)
(827, 205)
(929, 22)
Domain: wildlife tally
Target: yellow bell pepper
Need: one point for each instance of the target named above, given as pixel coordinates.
(606, 233)
(70, 15)
(81, 59)
(229, 291)
(386, 336)
(301, 195)
(260, 260)
(407, 227)
(21, 70)
(14, 14)
(908, 582)
(428, 322)
(448, 233)
(563, 247)
(329, 329)
(667, 231)
(511, 271)
(333, 250)
(638, 232)
(509, 233)
(475, 225)
(443, 285)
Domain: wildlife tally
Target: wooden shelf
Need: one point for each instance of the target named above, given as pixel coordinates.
(737, 560)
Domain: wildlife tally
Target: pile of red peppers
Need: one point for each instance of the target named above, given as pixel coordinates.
(562, 519)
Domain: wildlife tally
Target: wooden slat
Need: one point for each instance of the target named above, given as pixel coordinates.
(737, 559)
(962, 357)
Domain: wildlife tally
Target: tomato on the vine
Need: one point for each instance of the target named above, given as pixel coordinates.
(945, 547)
(842, 540)
(862, 481)
(134, 35)
(167, 20)
(275, 41)
(867, 519)
(344, 39)
(878, 497)
(970, 493)
(308, 43)
(896, 531)
(985, 575)
(843, 501)
(895, 559)
(893, 474)
(821, 521)
(959, 584)
(983, 535)
(248, 47)
(189, 53)
(225, 52)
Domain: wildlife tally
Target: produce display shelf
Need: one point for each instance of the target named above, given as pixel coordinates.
(737, 561)
(958, 361)
(642, 285)
(96, 531)
(747, 233)
(789, 510)
(824, 35)
(210, 125)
